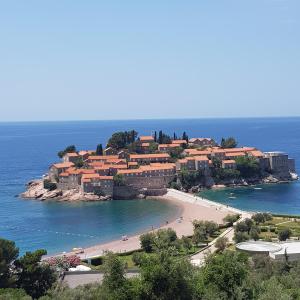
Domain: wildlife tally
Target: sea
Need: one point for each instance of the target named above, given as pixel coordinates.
(27, 149)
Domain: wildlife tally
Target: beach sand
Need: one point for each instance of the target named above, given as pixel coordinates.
(191, 208)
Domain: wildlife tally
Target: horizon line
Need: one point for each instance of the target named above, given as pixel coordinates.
(147, 119)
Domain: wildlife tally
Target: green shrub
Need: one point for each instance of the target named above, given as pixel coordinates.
(97, 261)
(264, 229)
(48, 185)
(272, 229)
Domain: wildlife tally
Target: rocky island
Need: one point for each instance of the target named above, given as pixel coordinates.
(133, 166)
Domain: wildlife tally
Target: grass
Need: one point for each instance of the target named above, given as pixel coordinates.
(280, 223)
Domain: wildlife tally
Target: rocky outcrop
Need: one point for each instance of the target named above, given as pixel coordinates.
(36, 190)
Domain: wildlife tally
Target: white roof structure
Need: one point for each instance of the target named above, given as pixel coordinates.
(259, 247)
(289, 250)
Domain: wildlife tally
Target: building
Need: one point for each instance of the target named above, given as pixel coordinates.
(96, 184)
(151, 177)
(167, 147)
(71, 157)
(57, 169)
(146, 139)
(280, 162)
(109, 151)
(101, 158)
(202, 142)
(181, 143)
(229, 164)
(233, 155)
(149, 158)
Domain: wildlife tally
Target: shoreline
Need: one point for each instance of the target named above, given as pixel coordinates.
(191, 207)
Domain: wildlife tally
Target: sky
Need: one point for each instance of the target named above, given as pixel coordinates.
(97, 60)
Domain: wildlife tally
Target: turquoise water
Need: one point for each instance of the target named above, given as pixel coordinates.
(275, 198)
(59, 227)
(27, 150)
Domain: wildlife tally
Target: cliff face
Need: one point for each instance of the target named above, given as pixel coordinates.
(35, 190)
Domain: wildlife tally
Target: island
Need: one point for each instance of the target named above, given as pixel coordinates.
(133, 166)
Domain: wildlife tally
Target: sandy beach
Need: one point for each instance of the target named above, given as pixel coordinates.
(191, 208)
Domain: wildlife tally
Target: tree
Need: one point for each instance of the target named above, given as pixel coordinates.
(228, 143)
(231, 218)
(240, 236)
(8, 253)
(203, 229)
(99, 150)
(69, 149)
(147, 241)
(119, 180)
(226, 272)
(34, 276)
(254, 233)
(221, 243)
(185, 137)
(114, 273)
(122, 139)
(258, 218)
(248, 166)
(155, 136)
(284, 234)
(163, 277)
(186, 243)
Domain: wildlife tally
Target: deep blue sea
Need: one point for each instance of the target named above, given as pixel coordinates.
(27, 150)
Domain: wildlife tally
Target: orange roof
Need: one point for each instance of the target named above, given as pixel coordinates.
(130, 171)
(228, 154)
(117, 167)
(243, 149)
(168, 146)
(192, 140)
(146, 138)
(145, 144)
(201, 158)
(256, 153)
(229, 161)
(106, 177)
(156, 155)
(72, 154)
(132, 163)
(63, 165)
(182, 161)
(65, 174)
(179, 142)
(102, 157)
(82, 152)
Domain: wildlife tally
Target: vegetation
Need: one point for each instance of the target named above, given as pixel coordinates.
(26, 273)
(189, 179)
(48, 185)
(231, 218)
(228, 142)
(99, 150)
(122, 139)
(163, 138)
(203, 230)
(284, 234)
(69, 149)
(248, 166)
(119, 180)
(221, 243)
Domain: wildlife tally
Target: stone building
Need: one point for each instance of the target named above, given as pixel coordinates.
(57, 169)
(149, 158)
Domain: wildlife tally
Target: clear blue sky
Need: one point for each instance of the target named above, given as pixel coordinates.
(88, 60)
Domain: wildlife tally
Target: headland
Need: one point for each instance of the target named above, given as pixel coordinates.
(133, 166)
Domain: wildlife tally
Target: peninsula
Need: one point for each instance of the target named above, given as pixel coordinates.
(134, 166)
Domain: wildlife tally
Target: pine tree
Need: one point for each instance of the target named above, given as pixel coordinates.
(99, 150)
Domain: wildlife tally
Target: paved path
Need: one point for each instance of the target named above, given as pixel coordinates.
(74, 280)
(198, 259)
